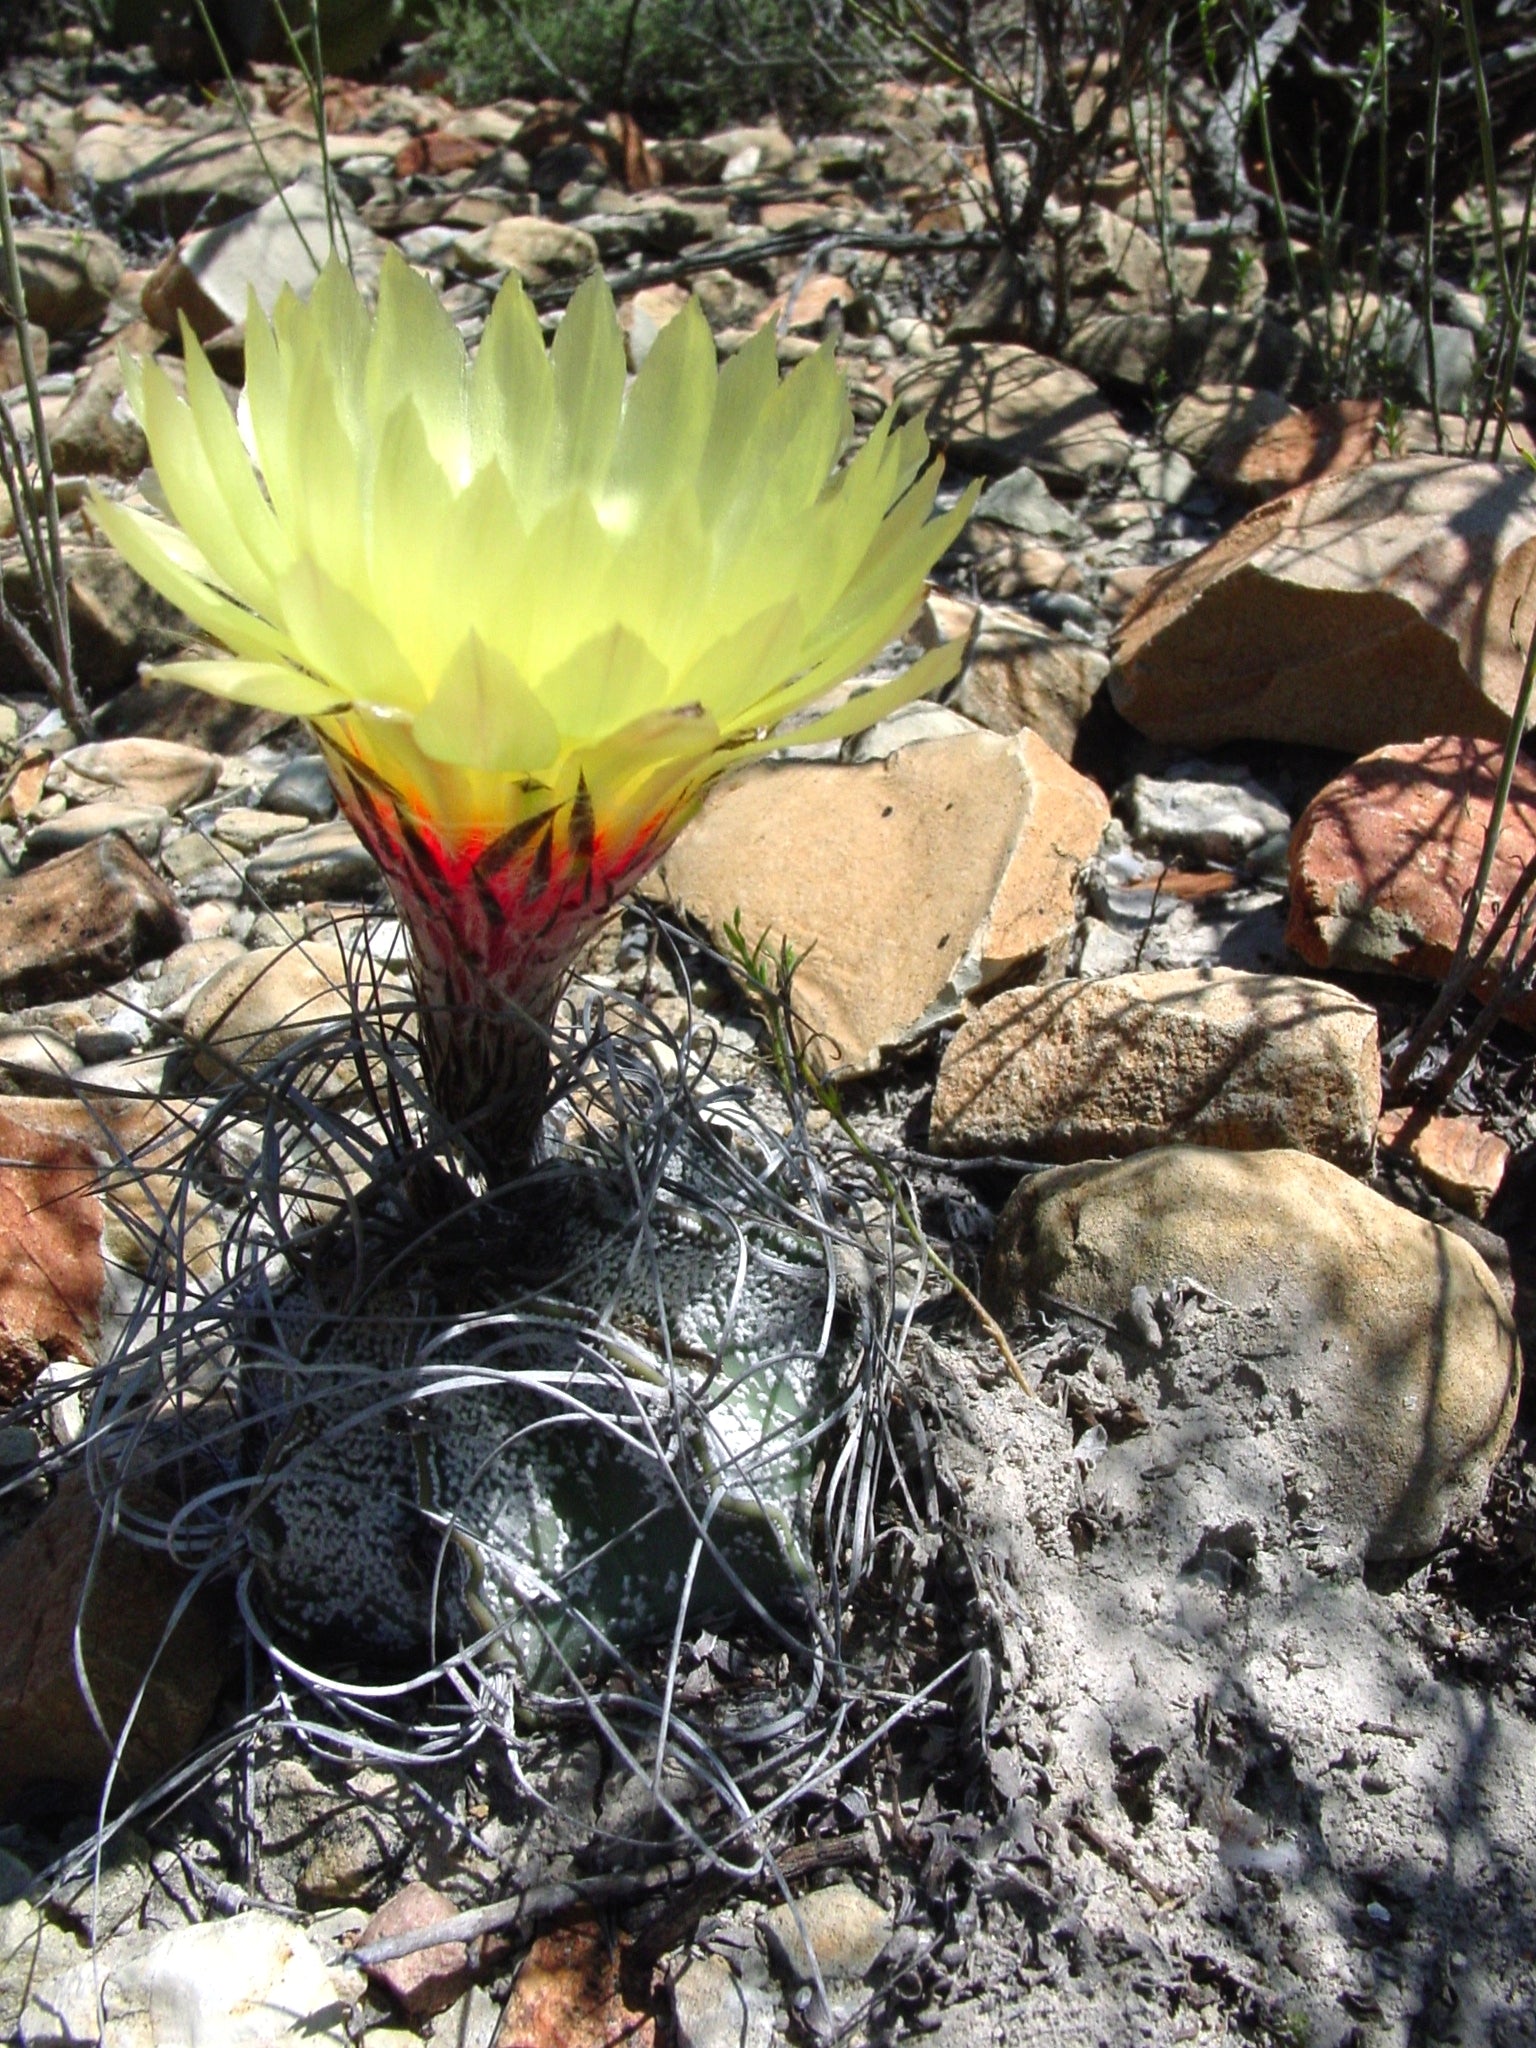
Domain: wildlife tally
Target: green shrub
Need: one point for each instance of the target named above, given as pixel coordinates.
(679, 65)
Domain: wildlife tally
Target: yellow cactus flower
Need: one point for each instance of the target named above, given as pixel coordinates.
(530, 609)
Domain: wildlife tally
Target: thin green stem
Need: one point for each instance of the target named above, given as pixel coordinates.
(1384, 23)
(312, 70)
(52, 575)
(895, 21)
(250, 128)
(1508, 324)
(1431, 149)
(1513, 983)
(1511, 356)
(1272, 176)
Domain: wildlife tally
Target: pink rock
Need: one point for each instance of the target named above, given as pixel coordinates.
(432, 1979)
(52, 1276)
(1462, 1162)
(1384, 856)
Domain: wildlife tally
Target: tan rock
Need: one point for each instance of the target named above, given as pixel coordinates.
(34, 166)
(257, 1006)
(1382, 605)
(248, 830)
(768, 147)
(67, 274)
(440, 153)
(570, 1990)
(12, 368)
(251, 1981)
(1016, 678)
(35, 1060)
(141, 825)
(97, 433)
(170, 179)
(1136, 348)
(52, 1280)
(903, 884)
(326, 861)
(1383, 858)
(908, 726)
(1124, 587)
(137, 770)
(1412, 432)
(1380, 1343)
(842, 1926)
(1324, 441)
(643, 315)
(1462, 1162)
(1012, 565)
(1111, 261)
(999, 405)
(688, 160)
(540, 251)
(1206, 1056)
(808, 306)
(160, 709)
(661, 222)
(115, 620)
(1328, 440)
(185, 971)
(710, 2002)
(36, 1952)
(1213, 424)
(135, 1148)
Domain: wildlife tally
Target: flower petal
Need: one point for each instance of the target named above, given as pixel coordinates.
(734, 674)
(265, 684)
(340, 639)
(666, 416)
(416, 353)
(336, 332)
(608, 681)
(931, 671)
(409, 506)
(326, 517)
(230, 463)
(512, 397)
(744, 388)
(893, 571)
(483, 715)
(587, 361)
(164, 558)
(191, 490)
(264, 402)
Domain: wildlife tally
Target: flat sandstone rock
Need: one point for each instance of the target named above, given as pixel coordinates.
(1099, 1069)
(998, 404)
(903, 884)
(1385, 604)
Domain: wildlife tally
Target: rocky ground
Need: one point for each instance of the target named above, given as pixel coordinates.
(1223, 1521)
